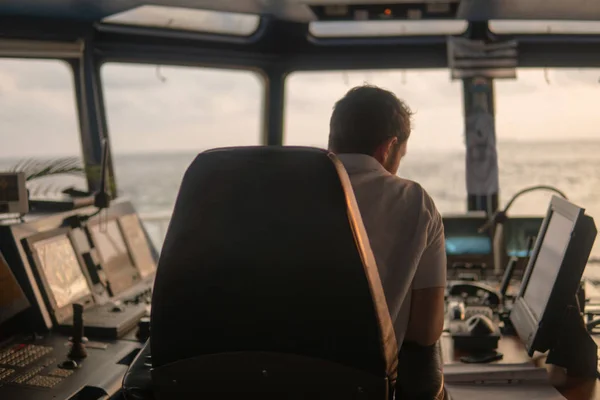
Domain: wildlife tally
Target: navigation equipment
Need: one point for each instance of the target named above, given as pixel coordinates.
(13, 193)
(138, 245)
(456, 245)
(12, 298)
(546, 314)
(114, 255)
(517, 233)
(59, 269)
(463, 238)
(469, 253)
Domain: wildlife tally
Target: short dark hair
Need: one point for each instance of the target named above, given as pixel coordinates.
(365, 118)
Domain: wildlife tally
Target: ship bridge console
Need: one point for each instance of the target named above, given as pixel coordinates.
(75, 302)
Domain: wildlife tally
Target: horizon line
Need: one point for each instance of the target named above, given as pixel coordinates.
(419, 150)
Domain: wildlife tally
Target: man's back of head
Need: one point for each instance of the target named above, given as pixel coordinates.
(372, 121)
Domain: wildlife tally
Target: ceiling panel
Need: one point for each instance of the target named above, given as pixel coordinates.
(298, 10)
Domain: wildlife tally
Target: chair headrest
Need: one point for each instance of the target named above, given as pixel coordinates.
(266, 251)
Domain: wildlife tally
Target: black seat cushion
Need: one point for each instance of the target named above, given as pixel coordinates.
(266, 251)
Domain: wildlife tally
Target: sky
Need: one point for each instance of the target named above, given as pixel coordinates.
(170, 109)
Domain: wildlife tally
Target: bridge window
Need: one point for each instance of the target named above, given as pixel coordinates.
(547, 128)
(161, 117)
(436, 155)
(187, 19)
(39, 122)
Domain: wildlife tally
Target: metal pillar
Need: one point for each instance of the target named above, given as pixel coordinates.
(480, 135)
(481, 157)
(92, 119)
(273, 106)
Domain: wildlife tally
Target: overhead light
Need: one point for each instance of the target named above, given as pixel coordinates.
(386, 28)
(188, 19)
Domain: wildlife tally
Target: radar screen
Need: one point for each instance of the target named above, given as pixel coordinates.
(61, 270)
(138, 244)
(114, 255)
(12, 298)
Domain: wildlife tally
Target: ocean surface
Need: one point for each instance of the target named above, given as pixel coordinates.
(151, 181)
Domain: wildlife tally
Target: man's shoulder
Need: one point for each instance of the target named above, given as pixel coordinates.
(411, 191)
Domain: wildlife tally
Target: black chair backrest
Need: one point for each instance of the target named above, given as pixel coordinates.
(266, 252)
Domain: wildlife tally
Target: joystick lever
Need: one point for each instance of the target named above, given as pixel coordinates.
(78, 351)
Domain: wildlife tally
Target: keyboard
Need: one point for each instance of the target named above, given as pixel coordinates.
(21, 364)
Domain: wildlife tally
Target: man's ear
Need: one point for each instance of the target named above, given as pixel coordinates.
(385, 150)
(404, 148)
(390, 147)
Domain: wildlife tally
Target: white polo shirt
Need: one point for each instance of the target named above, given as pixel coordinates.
(405, 231)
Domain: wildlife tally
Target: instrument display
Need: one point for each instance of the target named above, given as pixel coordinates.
(114, 255)
(138, 244)
(62, 270)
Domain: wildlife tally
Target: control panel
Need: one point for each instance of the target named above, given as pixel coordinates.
(472, 252)
(39, 368)
(105, 264)
(85, 329)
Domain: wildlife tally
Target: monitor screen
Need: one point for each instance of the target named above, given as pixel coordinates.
(9, 188)
(108, 240)
(13, 193)
(138, 244)
(548, 263)
(61, 270)
(461, 245)
(463, 237)
(12, 298)
(114, 255)
(517, 234)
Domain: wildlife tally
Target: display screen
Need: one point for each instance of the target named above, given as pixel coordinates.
(9, 188)
(517, 233)
(138, 244)
(462, 245)
(114, 255)
(12, 298)
(62, 270)
(548, 263)
(108, 240)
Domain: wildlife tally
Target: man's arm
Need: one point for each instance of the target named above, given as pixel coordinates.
(426, 320)
(420, 373)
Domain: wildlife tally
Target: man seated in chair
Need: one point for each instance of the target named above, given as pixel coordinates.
(369, 131)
